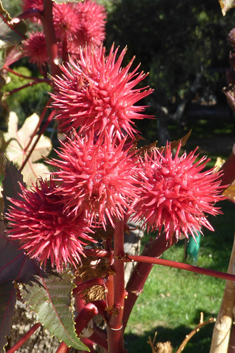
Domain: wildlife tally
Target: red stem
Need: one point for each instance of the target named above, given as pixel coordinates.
(51, 116)
(49, 30)
(39, 80)
(110, 279)
(182, 266)
(89, 344)
(18, 74)
(79, 301)
(228, 170)
(29, 13)
(115, 322)
(96, 253)
(63, 348)
(89, 283)
(39, 123)
(65, 56)
(110, 257)
(24, 338)
(110, 290)
(12, 27)
(88, 312)
(100, 337)
(141, 272)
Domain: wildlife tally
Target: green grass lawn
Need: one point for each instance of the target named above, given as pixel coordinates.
(173, 299)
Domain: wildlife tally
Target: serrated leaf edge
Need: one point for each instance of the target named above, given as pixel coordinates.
(70, 308)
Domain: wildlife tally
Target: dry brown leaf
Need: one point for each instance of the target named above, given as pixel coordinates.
(230, 192)
(183, 140)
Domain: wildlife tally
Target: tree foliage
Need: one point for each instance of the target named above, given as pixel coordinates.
(175, 41)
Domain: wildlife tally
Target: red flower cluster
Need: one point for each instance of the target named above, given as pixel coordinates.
(98, 178)
(97, 93)
(44, 229)
(80, 23)
(174, 193)
(77, 24)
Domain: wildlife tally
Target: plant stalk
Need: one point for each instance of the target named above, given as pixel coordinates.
(30, 13)
(87, 313)
(228, 170)
(89, 283)
(39, 80)
(115, 322)
(49, 30)
(96, 253)
(182, 266)
(51, 116)
(63, 348)
(100, 337)
(24, 338)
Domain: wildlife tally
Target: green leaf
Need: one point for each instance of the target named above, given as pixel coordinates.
(11, 31)
(50, 298)
(226, 5)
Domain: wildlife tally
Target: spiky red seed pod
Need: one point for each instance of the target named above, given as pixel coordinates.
(35, 48)
(175, 194)
(96, 177)
(44, 229)
(92, 19)
(30, 5)
(66, 21)
(96, 93)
